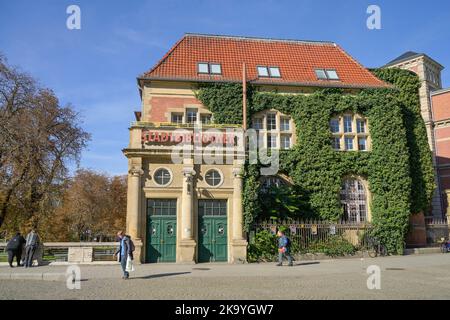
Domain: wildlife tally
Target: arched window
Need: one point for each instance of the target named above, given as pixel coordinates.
(354, 200)
(272, 181)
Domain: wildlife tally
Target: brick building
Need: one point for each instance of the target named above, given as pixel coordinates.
(435, 109)
(190, 210)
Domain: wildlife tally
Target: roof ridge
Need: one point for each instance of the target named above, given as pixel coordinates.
(360, 64)
(250, 38)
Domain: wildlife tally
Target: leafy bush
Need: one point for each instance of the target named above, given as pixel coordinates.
(263, 248)
(334, 246)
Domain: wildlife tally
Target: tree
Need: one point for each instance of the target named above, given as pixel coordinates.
(93, 205)
(38, 138)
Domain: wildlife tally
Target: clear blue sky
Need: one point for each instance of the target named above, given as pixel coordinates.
(95, 68)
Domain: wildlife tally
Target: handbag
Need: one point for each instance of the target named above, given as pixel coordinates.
(129, 266)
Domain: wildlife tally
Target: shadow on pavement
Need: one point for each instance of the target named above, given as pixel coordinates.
(159, 275)
(305, 263)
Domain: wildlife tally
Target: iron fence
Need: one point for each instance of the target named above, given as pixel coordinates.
(304, 234)
(437, 229)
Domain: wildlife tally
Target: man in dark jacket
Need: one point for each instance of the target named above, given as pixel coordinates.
(14, 248)
(124, 251)
(31, 244)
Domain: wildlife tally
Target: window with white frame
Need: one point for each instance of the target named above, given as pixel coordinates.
(205, 118)
(191, 116)
(348, 121)
(257, 123)
(275, 129)
(271, 141)
(285, 142)
(334, 125)
(284, 124)
(350, 132)
(176, 118)
(271, 121)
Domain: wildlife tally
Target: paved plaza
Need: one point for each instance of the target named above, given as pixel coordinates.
(402, 277)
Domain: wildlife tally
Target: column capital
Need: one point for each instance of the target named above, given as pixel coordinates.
(189, 172)
(136, 171)
(237, 173)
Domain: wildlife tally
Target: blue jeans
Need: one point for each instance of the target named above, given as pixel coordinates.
(287, 255)
(123, 263)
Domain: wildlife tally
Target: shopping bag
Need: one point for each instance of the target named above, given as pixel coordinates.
(130, 266)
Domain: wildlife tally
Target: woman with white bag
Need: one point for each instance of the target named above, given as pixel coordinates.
(125, 253)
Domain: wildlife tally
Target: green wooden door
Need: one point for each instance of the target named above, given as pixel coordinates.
(212, 237)
(161, 230)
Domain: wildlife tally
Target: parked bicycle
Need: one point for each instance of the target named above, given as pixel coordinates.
(445, 245)
(375, 247)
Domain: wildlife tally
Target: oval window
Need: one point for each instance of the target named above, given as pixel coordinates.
(213, 178)
(162, 176)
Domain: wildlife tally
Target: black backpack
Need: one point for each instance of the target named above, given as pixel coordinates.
(132, 247)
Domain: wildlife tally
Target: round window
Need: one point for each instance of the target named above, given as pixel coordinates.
(162, 176)
(213, 178)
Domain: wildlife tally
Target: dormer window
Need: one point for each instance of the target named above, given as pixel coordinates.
(326, 74)
(209, 68)
(203, 68)
(215, 68)
(274, 72)
(263, 71)
(269, 72)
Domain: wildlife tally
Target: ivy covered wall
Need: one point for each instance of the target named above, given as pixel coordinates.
(398, 168)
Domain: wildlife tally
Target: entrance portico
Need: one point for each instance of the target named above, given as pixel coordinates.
(172, 212)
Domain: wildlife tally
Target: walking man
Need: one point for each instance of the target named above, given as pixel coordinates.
(31, 245)
(14, 248)
(284, 246)
(125, 250)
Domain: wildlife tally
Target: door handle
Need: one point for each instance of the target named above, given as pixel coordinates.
(162, 241)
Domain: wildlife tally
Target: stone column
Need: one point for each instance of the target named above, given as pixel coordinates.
(187, 243)
(238, 243)
(134, 208)
(447, 193)
(237, 204)
(187, 203)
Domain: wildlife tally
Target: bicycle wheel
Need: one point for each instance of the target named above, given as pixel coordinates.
(383, 250)
(372, 252)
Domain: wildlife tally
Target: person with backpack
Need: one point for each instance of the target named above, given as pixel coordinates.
(31, 244)
(284, 246)
(125, 252)
(14, 248)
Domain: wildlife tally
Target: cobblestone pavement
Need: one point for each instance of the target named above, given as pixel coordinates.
(406, 277)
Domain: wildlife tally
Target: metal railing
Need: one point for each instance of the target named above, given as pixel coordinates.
(180, 125)
(59, 251)
(304, 234)
(436, 230)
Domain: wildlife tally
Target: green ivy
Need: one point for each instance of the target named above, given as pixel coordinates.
(398, 168)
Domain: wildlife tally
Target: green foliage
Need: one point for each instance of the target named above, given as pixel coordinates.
(398, 168)
(280, 203)
(263, 248)
(421, 162)
(334, 246)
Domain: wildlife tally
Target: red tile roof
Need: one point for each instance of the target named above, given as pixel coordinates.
(296, 59)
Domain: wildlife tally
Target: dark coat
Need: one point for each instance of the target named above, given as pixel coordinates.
(15, 243)
(128, 250)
